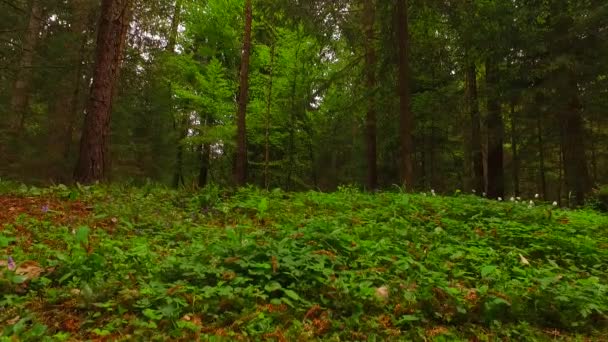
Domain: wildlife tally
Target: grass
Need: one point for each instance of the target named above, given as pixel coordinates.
(122, 263)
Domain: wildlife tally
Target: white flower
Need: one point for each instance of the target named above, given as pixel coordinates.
(512, 199)
(483, 194)
(536, 196)
(499, 199)
(518, 198)
(555, 203)
(474, 191)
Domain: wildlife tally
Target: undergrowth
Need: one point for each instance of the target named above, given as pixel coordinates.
(122, 263)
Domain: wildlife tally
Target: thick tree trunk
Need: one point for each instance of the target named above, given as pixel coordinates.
(267, 123)
(241, 141)
(514, 151)
(541, 154)
(66, 106)
(575, 162)
(406, 116)
(474, 117)
(495, 126)
(369, 19)
(111, 40)
(21, 88)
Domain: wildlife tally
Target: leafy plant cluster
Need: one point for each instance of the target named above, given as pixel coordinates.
(152, 263)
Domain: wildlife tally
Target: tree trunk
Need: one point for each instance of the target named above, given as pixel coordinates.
(541, 154)
(180, 124)
(65, 109)
(514, 150)
(111, 40)
(267, 123)
(406, 117)
(21, 88)
(241, 141)
(575, 162)
(495, 126)
(369, 19)
(476, 147)
(203, 175)
(175, 20)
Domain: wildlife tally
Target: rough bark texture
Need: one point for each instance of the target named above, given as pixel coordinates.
(406, 117)
(495, 126)
(111, 39)
(241, 123)
(541, 154)
(66, 106)
(179, 124)
(267, 123)
(575, 164)
(476, 147)
(515, 150)
(21, 88)
(369, 19)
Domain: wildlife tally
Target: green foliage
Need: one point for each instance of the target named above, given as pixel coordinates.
(152, 262)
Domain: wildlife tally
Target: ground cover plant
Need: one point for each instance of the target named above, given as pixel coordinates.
(122, 263)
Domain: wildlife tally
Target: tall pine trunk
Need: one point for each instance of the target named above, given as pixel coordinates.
(495, 126)
(514, 150)
(241, 141)
(406, 117)
(369, 19)
(575, 162)
(21, 88)
(111, 40)
(65, 109)
(541, 153)
(474, 117)
(180, 124)
(267, 120)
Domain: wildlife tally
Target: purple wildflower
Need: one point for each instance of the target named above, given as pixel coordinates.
(11, 264)
(45, 208)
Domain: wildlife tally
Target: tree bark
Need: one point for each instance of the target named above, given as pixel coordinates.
(474, 117)
(267, 123)
(541, 154)
(369, 19)
(66, 106)
(241, 141)
(575, 163)
(406, 116)
(21, 87)
(180, 124)
(495, 126)
(515, 151)
(111, 40)
(203, 175)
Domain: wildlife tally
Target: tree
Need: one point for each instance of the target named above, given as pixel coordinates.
(241, 149)
(369, 18)
(65, 108)
(21, 88)
(495, 128)
(405, 114)
(111, 40)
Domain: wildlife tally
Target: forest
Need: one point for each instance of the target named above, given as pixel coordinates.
(304, 170)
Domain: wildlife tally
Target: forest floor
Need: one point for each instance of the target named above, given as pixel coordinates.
(121, 263)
